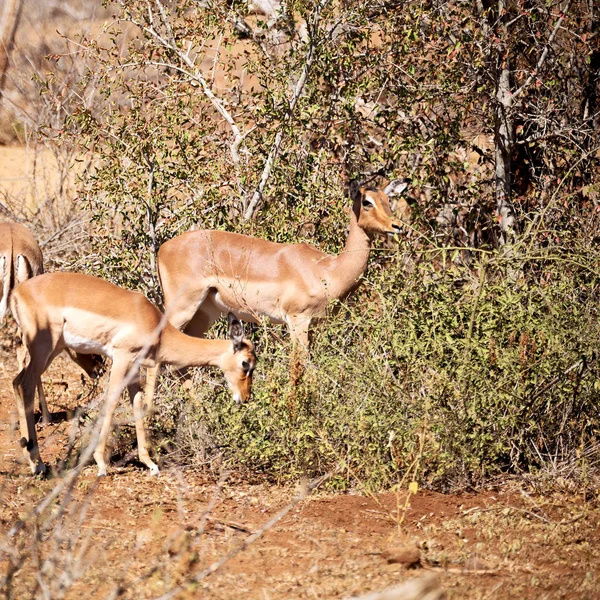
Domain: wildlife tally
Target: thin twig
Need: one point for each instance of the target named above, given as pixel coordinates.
(195, 74)
(304, 492)
(310, 57)
(544, 54)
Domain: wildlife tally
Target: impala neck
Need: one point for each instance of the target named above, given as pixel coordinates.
(181, 350)
(349, 266)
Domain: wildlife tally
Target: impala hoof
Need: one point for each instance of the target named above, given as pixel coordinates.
(44, 423)
(39, 469)
(154, 471)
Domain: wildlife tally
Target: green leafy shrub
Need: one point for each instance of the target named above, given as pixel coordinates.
(496, 375)
(458, 359)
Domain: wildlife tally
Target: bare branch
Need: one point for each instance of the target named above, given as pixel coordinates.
(310, 57)
(8, 26)
(193, 72)
(544, 54)
(303, 493)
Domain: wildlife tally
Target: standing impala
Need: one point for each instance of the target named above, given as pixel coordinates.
(91, 316)
(21, 259)
(206, 273)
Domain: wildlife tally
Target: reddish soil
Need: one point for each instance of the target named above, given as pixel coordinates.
(139, 536)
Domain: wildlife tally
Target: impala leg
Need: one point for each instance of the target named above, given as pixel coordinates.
(201, 321)
(136, 396)
(22, 359)
(92, 364)
(193, 323)
(298, 327)
(150, 387)
(197, 326)
(88, 362)
(22, 354)
(180, 308)
(24, 386)
(46, 416)
(119, 370)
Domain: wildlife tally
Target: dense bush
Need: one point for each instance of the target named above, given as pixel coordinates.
(455, 377)
(471, 351)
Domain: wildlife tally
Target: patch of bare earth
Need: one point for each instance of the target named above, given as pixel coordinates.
(139, 536)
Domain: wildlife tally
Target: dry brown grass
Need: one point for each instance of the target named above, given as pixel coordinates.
(141, 537)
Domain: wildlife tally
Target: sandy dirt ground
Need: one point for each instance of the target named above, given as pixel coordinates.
(135, 536)
(26, 175)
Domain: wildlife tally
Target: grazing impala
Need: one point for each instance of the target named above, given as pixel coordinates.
(206, 273)
(21, 259)
(91, 316)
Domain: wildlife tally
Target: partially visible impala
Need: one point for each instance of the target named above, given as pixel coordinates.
(57, 311)
(207, 273)
(20, 259)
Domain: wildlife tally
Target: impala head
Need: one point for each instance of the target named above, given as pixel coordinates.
(239, 365)
(372, 207)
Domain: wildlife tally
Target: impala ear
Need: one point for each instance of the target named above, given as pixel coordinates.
(395, 187)
(355, 193)
(236, 332)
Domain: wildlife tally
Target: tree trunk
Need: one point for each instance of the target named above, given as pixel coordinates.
(504, 142)
(8, 27)
(591, 108)
(504, 136)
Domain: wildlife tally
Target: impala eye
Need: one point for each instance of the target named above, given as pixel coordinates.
(367, 204)
(245, 366)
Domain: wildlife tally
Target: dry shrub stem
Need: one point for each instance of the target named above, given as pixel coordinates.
(298, 89)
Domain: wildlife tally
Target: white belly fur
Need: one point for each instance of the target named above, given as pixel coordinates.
(273, 314)
(85, 346)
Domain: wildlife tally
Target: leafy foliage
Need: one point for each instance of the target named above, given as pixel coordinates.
(460, 357)
(496, 376)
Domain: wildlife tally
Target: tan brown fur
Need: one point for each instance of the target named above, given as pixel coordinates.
(206, 273)
(58, 311)
(20, 259)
